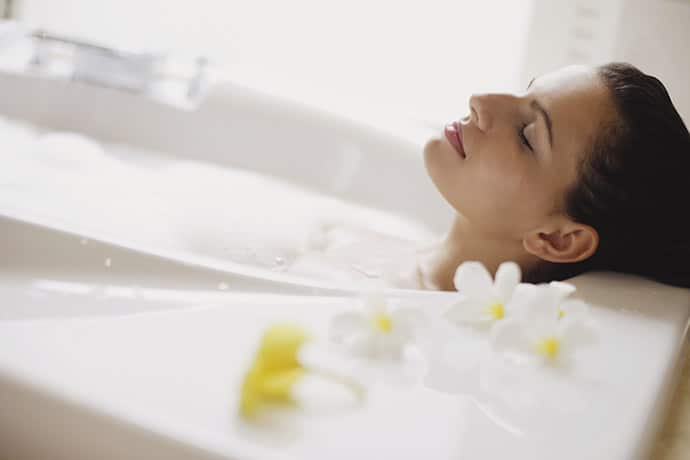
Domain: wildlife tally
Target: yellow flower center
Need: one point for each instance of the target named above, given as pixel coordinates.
(561, 313)
(548, 347)
(496, 310)
(382, 322)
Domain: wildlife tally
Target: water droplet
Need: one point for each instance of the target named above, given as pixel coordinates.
(108, 262)
(279, 264)
(223, 286)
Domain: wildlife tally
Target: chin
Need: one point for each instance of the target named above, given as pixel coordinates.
(441, 168)
(432, 149)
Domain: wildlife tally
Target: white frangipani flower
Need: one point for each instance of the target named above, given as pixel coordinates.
(376, 331)
(483, 300)
(548, 326)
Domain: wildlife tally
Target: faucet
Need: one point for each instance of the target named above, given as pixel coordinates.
(161, 76)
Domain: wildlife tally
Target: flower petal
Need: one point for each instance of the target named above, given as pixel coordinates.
(389, 345)
(576, 328)
(521, 298)
(362, 343)
(374, 302)
(467, 311)
(565, 288)
(560, 291)
(277, 386)
(509, 335)
(403, 326)
(507, 278)
(279, 346)
(473, 280)
(345, 325)
(565, 359)
(541, 310)
(575, 309)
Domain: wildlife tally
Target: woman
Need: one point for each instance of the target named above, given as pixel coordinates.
(585, 171)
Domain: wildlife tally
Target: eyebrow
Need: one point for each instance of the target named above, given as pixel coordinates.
(540, 108)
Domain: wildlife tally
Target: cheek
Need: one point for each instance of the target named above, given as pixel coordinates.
(498, 189)
(501, 174)
(509, 190)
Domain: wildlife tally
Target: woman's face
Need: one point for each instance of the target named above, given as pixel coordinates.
(518, 154)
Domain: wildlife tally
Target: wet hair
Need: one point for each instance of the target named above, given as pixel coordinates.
(633, 186)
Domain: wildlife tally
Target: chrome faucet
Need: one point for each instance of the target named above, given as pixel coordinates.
(162, 76)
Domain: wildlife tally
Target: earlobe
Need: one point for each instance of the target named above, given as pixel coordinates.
(572, 243)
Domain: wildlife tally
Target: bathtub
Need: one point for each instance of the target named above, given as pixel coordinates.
(118, 341)
(353, 169)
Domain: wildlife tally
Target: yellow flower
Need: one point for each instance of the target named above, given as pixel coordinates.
(275, 369)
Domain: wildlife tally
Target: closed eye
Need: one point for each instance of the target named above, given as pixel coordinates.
(523, 138)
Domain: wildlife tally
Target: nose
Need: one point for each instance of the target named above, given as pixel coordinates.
(488, 111)
(479, 111)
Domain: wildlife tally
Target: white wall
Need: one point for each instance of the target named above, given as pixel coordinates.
(655, 36)
(421, 58)
(651, 34)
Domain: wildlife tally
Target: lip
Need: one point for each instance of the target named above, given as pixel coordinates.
(453, 132)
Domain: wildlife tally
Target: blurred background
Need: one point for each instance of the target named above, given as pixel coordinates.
(418, 59)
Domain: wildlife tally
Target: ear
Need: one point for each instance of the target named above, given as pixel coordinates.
(565, 242)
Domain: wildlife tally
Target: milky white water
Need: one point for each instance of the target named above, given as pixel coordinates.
(228, 214)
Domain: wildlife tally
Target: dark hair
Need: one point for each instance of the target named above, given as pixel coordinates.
(634, 185)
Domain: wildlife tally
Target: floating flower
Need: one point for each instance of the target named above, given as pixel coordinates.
(377, 331)
(275, 370)
(548, 326)
(483, 300)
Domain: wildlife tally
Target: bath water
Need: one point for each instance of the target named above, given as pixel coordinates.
(228, 214)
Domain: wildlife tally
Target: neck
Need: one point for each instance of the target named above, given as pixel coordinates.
(466, 242)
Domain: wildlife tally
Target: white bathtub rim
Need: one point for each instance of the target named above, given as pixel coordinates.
(274, 281)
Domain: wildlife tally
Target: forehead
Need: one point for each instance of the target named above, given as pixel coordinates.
(568, 78)
(577, 101)
(579, 105)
